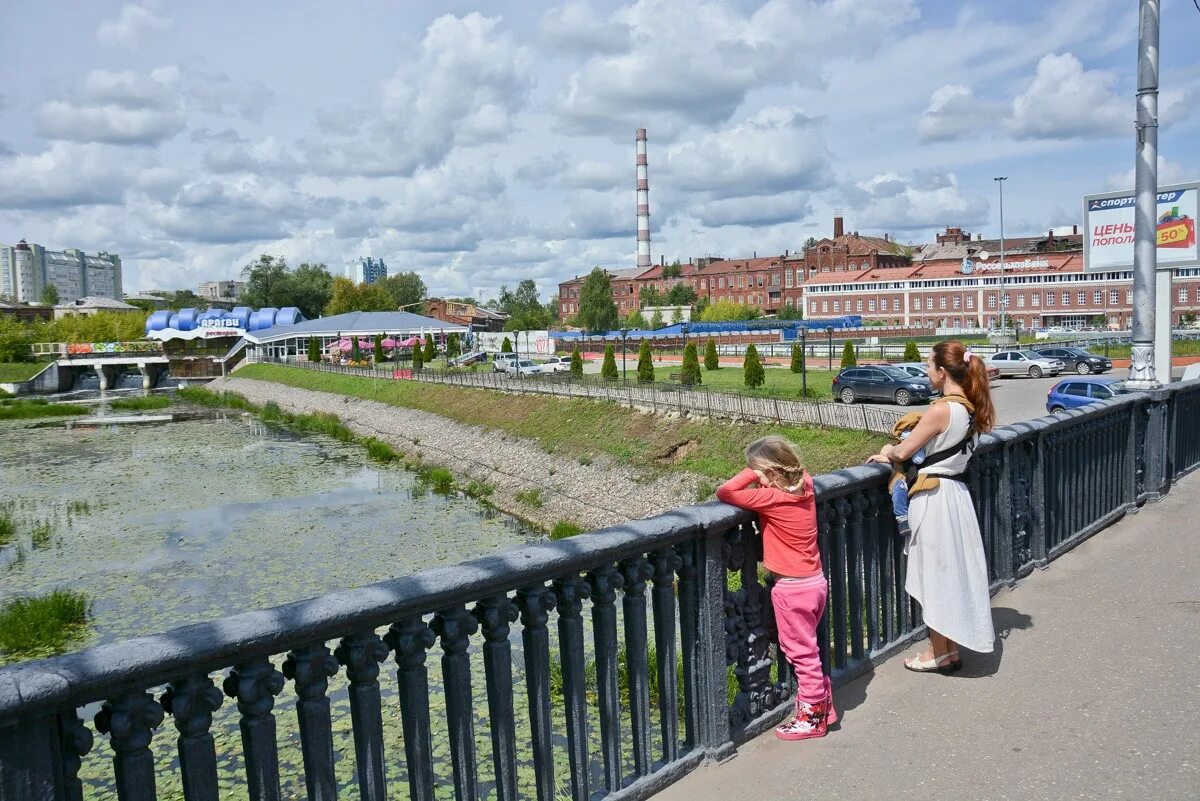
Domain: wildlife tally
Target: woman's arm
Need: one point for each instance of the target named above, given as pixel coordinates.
(737, 491)
(932, 423)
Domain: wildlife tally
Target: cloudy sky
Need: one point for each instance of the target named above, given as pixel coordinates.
(481, 143)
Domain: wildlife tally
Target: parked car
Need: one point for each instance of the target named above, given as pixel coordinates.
(500, 362)
(1071, 393)
(1024, 362)
(883, 382)
(1078, 359)
(1191, 372)
(921, 370)
(522, 367)
(557, 364)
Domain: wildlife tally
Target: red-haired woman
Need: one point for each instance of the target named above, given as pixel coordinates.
(947, 570)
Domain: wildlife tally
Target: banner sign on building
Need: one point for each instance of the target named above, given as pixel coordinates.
(1109, 224)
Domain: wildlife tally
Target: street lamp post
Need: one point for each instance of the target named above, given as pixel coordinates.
(1003, 326)
(803, 362)
(829, 336)
(624, 334)
(1150, 355)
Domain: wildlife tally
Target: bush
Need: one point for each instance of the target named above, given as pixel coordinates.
(452, 346)
(711, 362)
(797, 358)
(41, 625)
(911, 352)
(691, 365)
(755, 376)
(576, 363)
(608, 370)
(417, 358)
(645, 369)
(849, 357)
(8, 529)
(441, 479)
(530, 497)
(564, 529)
(314, 350)
(380, 451)
(430, 350)
(355, 351)
(20, 409)
(378, 348)
(506, 346)
(147, 402)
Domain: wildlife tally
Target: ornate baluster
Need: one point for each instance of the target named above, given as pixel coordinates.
(410, 639)
(494, 614)
(191, 702)
(535, 604)
(455, 627)
(255, 684)
(130, 720)
(635, 573)
(310, 668)
(855, 565)
(837, 578)
(570, 592)
(361, 654)
(75, 741)
(605, 582)
(689, 637)
(666, 562)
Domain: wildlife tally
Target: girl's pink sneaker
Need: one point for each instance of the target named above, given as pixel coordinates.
(811, 721)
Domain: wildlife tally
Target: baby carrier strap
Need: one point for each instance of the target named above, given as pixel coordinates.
(917, 482)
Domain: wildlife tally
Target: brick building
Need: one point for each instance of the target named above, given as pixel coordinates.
(471, 315)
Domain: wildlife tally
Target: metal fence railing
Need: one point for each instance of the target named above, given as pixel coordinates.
(638, 628)
(655, 397)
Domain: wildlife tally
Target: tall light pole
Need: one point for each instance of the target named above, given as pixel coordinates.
(1003, 326)
(1151, 289)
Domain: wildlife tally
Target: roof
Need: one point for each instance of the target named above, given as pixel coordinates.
(952, 268)
(1012, 245)
(97, 302)
(857, 245)
(356, 323)
(740, 265)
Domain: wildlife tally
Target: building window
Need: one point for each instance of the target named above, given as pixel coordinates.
(957, 302)
(1183, 294)
(787, 279)
(970, 301)
(895, 304)
(916, 304)
(991, 301)
(788, 303)
(1021, 301)
(825, 306)
(1098, 297)
(1128, 297)
(942, 303)
(1066, 298)
(1081, 298)
(837, 307)
(1114, 296)
(870, 305)
(1035, 299)
(1007, 300)
(1049, 299)
(858, 306)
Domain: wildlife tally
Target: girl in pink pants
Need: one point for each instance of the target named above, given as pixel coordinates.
(777, 487)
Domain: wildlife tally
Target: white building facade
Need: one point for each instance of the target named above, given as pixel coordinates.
(26, 270)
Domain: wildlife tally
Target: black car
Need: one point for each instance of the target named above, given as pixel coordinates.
(1078, 359)
(882, 382)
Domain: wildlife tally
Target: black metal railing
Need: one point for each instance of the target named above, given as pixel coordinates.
(606, 664)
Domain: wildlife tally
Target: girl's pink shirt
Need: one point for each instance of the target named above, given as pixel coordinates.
(788, 522)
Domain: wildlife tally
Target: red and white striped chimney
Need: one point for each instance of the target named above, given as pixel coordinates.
(643, 203)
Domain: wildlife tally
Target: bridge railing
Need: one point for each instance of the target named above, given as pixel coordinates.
(606, 664)
(92, 350)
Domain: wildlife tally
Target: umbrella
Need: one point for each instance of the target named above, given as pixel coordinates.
(410, 342)
(365, 344)
(344, 344)
(388, 342)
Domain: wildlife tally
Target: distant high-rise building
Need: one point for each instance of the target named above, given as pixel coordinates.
(26, 270)
(221, 290)
(367, 271)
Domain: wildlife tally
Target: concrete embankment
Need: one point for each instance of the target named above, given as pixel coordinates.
(594, 495)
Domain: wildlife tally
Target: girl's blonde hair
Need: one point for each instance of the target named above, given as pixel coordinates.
(775, 454)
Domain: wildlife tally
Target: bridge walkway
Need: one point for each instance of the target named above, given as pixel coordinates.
(1092, 692)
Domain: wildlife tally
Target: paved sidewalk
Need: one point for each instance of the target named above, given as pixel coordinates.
(1093, 692)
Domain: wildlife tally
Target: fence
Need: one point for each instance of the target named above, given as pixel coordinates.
(65, 350)
(678, 679)
(655, 397)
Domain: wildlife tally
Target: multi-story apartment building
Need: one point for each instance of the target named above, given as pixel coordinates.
(26, 270)
(367, 270)
(221, 290)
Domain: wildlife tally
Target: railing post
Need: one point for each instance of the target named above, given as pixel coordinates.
(712, 732)
(255, 684)
(1156, 444)
(32, 760)
(362, 654)
(191, 702)
(310, 667)
(130, 720)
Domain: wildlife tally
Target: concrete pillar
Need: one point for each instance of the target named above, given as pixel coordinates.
(108, 375)
(151, 374)
(66, 378)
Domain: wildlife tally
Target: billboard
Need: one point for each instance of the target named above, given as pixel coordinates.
(1109, 221)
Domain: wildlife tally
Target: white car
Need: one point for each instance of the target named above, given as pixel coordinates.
(501, 362)
(522, 367)
(557, 364)
(1024, 362)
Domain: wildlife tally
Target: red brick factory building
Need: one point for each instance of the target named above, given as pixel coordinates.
(946, 284)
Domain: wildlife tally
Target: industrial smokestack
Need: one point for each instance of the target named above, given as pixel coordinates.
(643, 202)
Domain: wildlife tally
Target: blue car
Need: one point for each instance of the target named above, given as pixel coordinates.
(1072, 393)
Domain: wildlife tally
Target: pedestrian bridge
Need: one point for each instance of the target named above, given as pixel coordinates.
(628, 660)
(108, 360)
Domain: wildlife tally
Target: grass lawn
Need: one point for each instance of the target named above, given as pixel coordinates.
(584, 429)
(19, 371)
(781, 382)
(1179, 347)
(30, 408)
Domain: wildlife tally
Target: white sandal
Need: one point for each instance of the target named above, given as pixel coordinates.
(941, 664)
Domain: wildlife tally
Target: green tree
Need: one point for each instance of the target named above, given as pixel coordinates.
(506, 346)
(378, 348)
(405, 289)
(677, 316)
(711, 361)
(691, 364)
(16, 340)
(577, 363)
(430, 350)
(268, 283)
(797, 358)
(727, 311)
(50, 295)
(524, 309)
(811, 242)
(752, 368)
(656, 320)
(347, 296)
(452, 347)
(849, 357)
(416, 357)
(597, 309)
(308, 289)
(355, 350)
(911, 352)
(680, 295)
(790, 313)
(635, 321)
(672, 270)
(608, 369)
(645, 368)
(650, 296)
(314, 350)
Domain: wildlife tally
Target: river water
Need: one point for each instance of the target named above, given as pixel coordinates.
(207, 513)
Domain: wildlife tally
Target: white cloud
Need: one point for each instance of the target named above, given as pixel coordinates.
(218, 212)
(561, 170)
(575, 28)
(776, 150)
(1169, 172)
(1065, 101)
(955, 112)
(129, 25)
(786, 207)
(891, 201)
(120, 108)
(468, 81)
(63, 176)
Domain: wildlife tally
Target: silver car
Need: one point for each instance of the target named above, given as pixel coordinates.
(1024, 362)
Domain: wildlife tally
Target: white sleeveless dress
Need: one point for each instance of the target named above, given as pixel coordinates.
(947, 570)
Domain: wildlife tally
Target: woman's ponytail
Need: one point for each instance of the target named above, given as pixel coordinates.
(969, 372)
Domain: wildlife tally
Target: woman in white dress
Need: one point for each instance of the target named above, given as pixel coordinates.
(947, 571)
